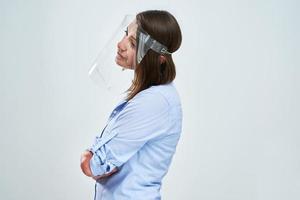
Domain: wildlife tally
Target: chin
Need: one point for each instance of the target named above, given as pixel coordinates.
(121, 64)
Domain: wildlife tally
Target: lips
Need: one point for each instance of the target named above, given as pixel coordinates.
(120, 56)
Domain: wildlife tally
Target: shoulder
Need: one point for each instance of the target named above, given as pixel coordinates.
(155, 99)
(149, 108)
(168, 92)
(149, 100)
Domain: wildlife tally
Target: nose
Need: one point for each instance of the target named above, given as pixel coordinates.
(121, 45)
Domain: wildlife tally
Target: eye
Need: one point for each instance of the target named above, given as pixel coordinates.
(132, 44)
(126, 32)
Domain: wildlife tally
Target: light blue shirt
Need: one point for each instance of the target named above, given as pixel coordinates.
(140, 139)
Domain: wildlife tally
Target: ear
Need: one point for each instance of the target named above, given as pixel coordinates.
(162, 59)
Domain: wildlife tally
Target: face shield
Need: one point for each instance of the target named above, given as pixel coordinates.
(106, 71)
(125, 50)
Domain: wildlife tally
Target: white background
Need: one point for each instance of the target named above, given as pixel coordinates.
(237, 75)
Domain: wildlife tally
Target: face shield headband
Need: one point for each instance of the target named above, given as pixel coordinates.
(146, 42)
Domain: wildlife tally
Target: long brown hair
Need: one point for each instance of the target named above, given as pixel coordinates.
(163, 27)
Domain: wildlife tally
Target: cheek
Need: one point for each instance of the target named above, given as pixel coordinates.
(129, 61)
(131, 57)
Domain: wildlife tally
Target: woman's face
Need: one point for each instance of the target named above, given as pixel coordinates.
(126, 55)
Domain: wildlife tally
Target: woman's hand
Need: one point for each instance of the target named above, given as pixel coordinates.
(85, 163)
(105, 175)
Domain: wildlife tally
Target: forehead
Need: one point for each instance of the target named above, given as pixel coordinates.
(132, 27)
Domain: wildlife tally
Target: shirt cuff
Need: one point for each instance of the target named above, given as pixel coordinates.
(98, 167)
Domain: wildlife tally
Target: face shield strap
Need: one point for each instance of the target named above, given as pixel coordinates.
(146, 43)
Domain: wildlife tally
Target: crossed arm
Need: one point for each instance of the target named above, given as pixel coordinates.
(85, 166)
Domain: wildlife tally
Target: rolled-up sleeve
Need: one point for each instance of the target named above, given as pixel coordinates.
(143, 119)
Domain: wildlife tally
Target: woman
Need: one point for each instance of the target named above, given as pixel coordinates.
(135, 149)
